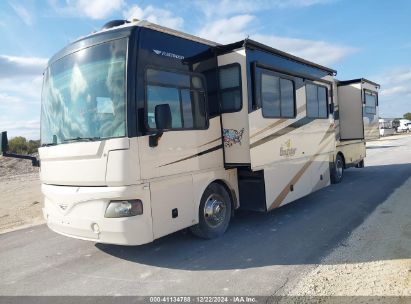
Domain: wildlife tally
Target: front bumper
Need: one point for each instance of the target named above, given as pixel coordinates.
(75, 212)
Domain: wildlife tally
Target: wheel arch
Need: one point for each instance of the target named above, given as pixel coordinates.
(224, 178)
(231, 193)
(343, 158)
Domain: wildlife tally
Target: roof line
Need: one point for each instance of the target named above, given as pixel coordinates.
(357, 80)
(255, 44)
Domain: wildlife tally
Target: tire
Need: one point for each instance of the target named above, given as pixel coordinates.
(337, 170)
(214, 213)
(360, 164)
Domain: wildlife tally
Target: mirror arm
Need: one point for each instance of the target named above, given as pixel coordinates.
(34, 161)
(153, 139)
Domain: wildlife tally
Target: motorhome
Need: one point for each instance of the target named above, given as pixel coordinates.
(146, 131)
(386, 127)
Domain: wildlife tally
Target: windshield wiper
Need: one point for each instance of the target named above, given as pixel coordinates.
(82, 139)
(48, 144)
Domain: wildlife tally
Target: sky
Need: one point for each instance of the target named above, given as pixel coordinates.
(364, 38)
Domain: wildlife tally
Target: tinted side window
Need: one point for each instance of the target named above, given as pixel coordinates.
(316, 101)
(277, 96)
(230, 88)
(322, 102)
(157, 95)
(287, 98)
(184, 94)
(370, 103)
(270, 95)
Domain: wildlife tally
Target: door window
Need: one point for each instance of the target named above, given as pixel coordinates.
(184, 93)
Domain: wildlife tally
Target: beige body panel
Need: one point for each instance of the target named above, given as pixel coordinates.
(178, 152)
(101, 163)
(294, 153)
(353, 151)
(184, 192)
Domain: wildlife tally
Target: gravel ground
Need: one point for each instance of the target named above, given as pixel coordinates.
(20, 199)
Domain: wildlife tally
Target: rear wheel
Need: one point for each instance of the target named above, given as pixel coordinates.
(337, 170)
(214, 212)
(360, 164)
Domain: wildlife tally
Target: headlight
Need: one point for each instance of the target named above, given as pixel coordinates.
(124, 208)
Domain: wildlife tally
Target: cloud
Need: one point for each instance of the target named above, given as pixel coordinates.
(395, 95)
(22, 13)
(20, 94)
(226, 8)
(154, 15)
(94, 9)
(13, 66)
(227, 30)
(317, 51)
(27, 128)
(399, 89)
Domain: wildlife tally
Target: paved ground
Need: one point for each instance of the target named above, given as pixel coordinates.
(260, 254)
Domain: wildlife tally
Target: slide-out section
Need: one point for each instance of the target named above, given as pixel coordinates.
(358, 109)
(350, 112)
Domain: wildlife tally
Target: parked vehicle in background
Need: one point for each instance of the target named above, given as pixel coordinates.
(386, 127)
(403, 126)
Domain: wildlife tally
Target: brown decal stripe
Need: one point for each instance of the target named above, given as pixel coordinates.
(273, 125)
(295, 125)
(283, 194)
(328, 133)
(195, 155)
(219, 138)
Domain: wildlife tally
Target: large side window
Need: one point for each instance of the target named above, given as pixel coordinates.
(277, 96)
(184, 93)
(316, 101)
(230, 88)
(370, 103)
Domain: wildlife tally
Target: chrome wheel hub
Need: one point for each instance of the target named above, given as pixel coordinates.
(214, 210)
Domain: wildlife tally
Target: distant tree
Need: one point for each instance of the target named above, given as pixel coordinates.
(407, 115)
(32, 146)
(20, 145)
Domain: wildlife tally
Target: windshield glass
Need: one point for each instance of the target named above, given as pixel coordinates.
(84, 95)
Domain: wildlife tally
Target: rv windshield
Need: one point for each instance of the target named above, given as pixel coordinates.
(84, 95)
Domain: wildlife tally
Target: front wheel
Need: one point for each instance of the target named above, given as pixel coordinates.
(214, 212)
(337, 170)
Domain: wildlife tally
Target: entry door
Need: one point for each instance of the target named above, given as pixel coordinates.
(234, 104)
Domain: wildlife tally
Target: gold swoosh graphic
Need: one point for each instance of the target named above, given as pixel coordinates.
(286, 190)
(278, 122)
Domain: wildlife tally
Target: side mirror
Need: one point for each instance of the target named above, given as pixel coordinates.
(4, 142)
(331, 108)
(162, 116)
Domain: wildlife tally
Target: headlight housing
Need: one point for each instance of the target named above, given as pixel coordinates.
(124, 208)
